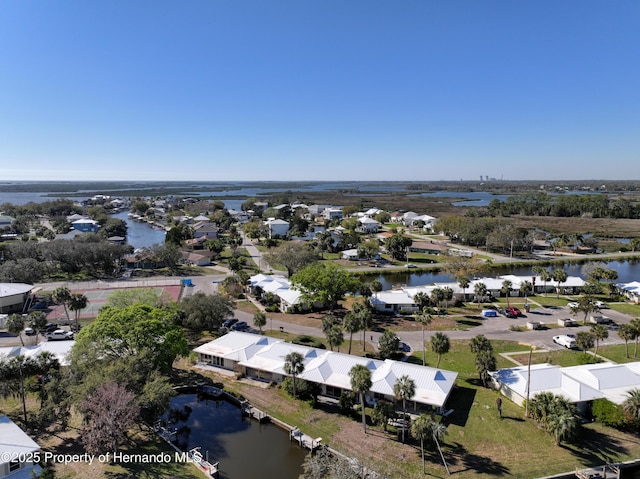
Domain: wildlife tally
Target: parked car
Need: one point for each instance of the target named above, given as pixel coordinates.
(230, 322)
(240, 326)
(59, 335)
(572, 305)
(29, 331)
(566, 341)
(514, 311)
(600, 305)
(50, 327)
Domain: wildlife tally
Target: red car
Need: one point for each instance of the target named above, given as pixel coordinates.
(514, 311)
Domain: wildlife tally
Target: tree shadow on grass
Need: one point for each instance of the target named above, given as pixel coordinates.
(595, 448)
(458, 455)
(468, 322)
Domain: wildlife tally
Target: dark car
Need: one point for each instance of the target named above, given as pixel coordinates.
(514, 311)
(230, 322)
(239, 326)
(50, 327)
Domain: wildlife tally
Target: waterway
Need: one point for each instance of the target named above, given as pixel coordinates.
(627, 271)
(140, 235)
(244, 448)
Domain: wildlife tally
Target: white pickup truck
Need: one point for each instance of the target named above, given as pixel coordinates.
(568, 342)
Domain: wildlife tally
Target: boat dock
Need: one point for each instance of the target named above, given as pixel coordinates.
(255, 413)
(303, 440)
(211, 470)
(610, 470)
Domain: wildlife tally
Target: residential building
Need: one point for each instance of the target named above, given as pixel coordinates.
(277, 228)
(18, 451)
(14, 297)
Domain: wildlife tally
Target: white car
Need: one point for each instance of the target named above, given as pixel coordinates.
(572, 305)
(565, 340)
(600, 305)
(59, 335)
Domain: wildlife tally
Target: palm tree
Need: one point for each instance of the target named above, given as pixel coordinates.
(335, 337)
(437, 296)
(424, 317)
(382, 412)
(421, 429)
(38, 321)
(526, 288)
(506, 289)
(440, 345)
(631, 405)
(610, 275)
(480, 343)
(559, 276)
(464, 283)
(351, 325)
(627, 333)
(361, 384)
(294, 366)
(585, 340)
(259, 319)
(77, 302)
(363, 313)
(545, 276)
(62, 295)
(480, 291)
(485, 362)
(563, 423)
(422, 299)
(404, 388)
(599, 332)
(14, 325)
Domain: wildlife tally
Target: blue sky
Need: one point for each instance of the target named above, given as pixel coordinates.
(327, 90)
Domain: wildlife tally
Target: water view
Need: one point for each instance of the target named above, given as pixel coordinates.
(244, 448)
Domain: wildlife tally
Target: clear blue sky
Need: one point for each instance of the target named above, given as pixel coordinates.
(325, 89)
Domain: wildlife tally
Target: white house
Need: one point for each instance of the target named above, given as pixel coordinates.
(630, 290)
(367, 225)
(17, 450)
(332, 213)
(59, 349)
(262, 358)
(577, 384)
(277, 228)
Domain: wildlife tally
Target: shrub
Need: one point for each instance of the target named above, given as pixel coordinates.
(608, 413)
(310, 341)
(585, 358)
(305, 390)
(347, 401)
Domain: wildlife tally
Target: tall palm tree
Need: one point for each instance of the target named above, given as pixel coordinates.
(62, 295)
(424, 317)
(77, 302)
(464, 283)
(421, 429)
(422, 299)
(506, 289)
(440, 345)
(480, 343)
(545, 276)
(526, 288)
(38, 321)
(363, 313)
(480, 291)
(485, 362)
(335, 337)
(404, 388)
(361, 384)
(294, 366)
(559, 276)
(627, 333)
(351, 324)
(599, 332)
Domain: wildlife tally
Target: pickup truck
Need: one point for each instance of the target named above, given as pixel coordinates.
(566, 341)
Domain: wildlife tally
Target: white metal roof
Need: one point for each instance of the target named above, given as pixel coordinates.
(15, 442)
(11, 289)
(59, 349)
(331, 368)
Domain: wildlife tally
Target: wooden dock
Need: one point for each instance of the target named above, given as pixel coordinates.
(303, 440)
(211, 470)
(611, 471)
(255, 413)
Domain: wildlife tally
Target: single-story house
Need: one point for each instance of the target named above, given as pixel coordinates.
(279, 286)
(59, 349)
(18, 451)
(428, 247)
(6, 220)
(578, 384)
(86, 225)
(13, 297)
(195, 259)
(262, 358)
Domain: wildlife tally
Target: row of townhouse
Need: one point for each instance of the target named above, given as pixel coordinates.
(263, 358)
(578, 384)
(391, 301)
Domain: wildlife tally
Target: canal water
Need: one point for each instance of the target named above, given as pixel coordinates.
(628, 271)
(140, 235)
(244, 448)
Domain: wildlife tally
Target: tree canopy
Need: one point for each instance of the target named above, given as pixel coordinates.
(324, 283)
